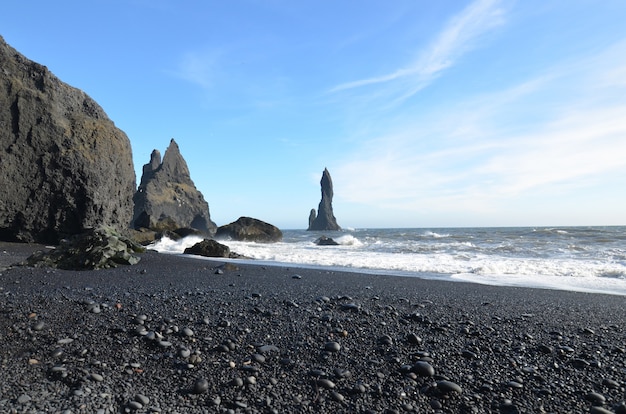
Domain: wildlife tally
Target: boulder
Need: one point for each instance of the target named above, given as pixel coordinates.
(325, 218)
(65, 166)
(94, 249)
(167, 198)
(209, 248)
(325, 241)
(249, 229)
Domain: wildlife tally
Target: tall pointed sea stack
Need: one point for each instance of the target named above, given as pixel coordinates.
(325, 219)
(65, 166)
(167, 199)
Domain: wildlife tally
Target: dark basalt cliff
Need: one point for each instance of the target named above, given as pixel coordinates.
(64, 166)
(167, 198)
(325, 219)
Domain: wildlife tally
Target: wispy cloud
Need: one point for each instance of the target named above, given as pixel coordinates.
(457, 38)
(198, 68)
(561, 132)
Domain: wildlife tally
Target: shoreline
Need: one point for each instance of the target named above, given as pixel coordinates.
(205, 335)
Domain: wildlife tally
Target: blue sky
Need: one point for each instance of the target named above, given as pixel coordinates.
(426, 114)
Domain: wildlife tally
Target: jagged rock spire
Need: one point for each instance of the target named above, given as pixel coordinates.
(167, 198)
(325, 219)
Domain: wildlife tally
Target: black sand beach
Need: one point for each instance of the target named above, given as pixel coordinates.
(184, 335)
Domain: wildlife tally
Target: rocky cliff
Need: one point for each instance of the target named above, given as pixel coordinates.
(325, 218)
(64, 165)
(167, 198)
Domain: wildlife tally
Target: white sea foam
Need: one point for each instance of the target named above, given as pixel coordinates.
(435, 235)
(167, 245)
(348, 240)
(486, 261)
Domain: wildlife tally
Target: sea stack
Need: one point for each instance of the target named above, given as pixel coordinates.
(167, 198)
(324, 219)
(65, 166)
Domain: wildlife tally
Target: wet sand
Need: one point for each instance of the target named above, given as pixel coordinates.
(175, 334)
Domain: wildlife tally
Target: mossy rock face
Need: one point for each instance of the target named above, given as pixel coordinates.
(100, 248)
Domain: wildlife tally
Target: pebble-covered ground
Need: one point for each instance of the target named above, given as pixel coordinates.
(184, 335)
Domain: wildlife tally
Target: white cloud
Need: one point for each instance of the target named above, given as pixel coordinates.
(456, 39)
(199, 68)
(561, 133)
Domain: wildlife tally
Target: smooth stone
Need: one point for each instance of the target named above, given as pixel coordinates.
(595, 398)
(385, 340)
(448, 386)
(268, 348)
(140, 398)
(258, 358)
(96, 377)
(200, 386)
(413, 339)
(326, 383)
(546, 349)
(23, 399)
(350, 307)
(609, 383)
(135, 405)
(342, 373)
(337, 396)
(469, 354)
(332, 346)
(187, 332)
(423, 369)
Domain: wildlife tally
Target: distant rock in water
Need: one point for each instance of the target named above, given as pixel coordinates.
(167, 198)
(325, 219)
(249, 229)
(65, 166)
(326, 241)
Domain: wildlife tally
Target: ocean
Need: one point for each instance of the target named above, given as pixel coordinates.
(585, 259)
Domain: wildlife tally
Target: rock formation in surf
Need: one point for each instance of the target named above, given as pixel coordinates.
(65, 166)
(249, 229)
(324, 219)
(208, 248)
(167, 198)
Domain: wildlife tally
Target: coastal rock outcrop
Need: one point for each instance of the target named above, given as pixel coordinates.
(325, 218)
(249, 229)
(325, 241)
(66, 167)
(167, 198)
(100, 248)
(208, 248)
